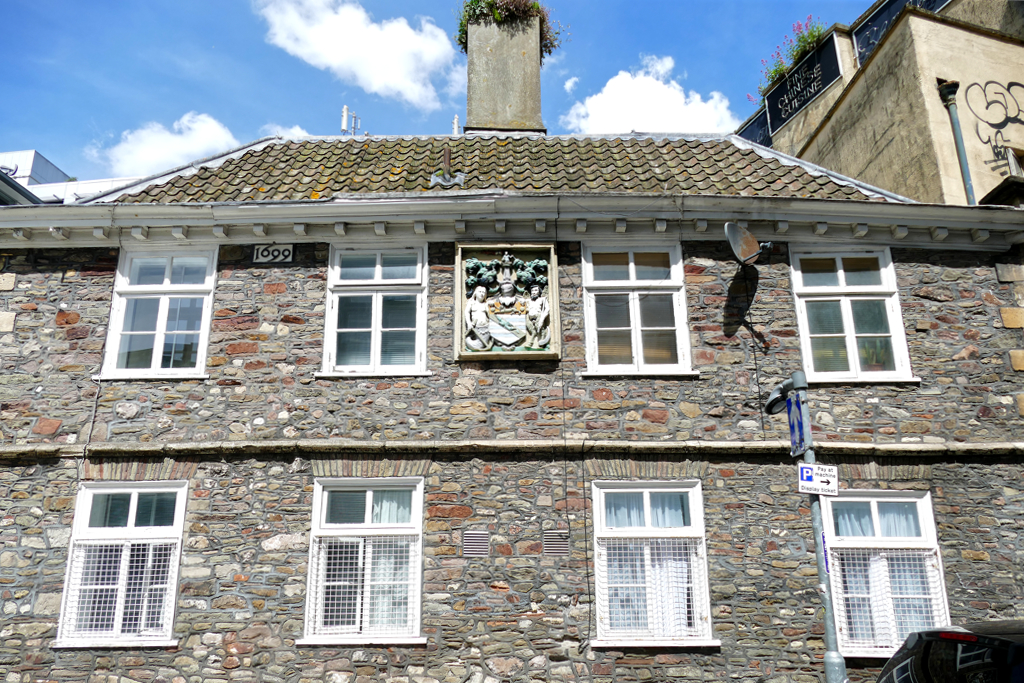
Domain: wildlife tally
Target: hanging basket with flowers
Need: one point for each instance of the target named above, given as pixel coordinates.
(806, 37)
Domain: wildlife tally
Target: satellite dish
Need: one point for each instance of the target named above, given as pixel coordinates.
(745, 246)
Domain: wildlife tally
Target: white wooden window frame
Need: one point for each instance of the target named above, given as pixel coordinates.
(844, 294)
(315, 634)
(124, 292)
(675, 285)
(606, 637)
(376, 288)
(881, 603)
(83, 535)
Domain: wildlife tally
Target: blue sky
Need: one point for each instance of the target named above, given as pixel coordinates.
(119, 87)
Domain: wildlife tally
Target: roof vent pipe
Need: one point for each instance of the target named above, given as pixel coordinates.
(947, 91)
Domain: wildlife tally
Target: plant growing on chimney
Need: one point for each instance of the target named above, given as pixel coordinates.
(500, 11)
(806, 36)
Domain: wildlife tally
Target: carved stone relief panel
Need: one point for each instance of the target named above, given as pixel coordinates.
(507, 302)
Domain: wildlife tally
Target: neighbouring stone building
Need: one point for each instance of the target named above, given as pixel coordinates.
(488, 408)
(867, 102)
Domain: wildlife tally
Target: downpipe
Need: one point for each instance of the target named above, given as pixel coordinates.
(947, 91)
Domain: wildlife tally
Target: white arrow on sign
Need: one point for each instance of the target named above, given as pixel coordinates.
(822, 480)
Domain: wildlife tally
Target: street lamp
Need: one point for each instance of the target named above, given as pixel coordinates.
(792, 395)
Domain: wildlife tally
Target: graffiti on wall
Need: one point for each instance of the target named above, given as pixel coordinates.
(997, 108)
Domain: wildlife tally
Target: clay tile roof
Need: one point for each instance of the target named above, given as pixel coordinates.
(321, 168)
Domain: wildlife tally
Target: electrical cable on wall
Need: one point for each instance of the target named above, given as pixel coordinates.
(583, 471)
(98, 379)
(757, 369)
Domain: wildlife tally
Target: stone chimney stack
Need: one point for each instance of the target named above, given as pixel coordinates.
(503, 93)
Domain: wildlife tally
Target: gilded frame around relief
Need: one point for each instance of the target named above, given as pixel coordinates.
(506, 302)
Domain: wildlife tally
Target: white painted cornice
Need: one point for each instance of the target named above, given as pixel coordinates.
(686, 217)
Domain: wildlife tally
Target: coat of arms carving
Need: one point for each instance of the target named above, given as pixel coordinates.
(509, 302)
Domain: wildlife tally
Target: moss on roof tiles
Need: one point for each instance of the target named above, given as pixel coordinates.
(320, 169)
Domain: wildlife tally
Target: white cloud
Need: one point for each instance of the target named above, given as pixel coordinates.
(389, 58)
(275, 129)
(551, 61)
(650, 100)
(571, 84)
(458, 81)
(152, 148)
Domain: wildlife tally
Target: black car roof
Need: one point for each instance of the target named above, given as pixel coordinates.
(1010, 629)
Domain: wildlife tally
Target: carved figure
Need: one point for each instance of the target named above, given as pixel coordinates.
(507, 293)
(478, 321)
(538, 320)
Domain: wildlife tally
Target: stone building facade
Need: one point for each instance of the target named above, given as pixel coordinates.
(521, 456)
(877, 114)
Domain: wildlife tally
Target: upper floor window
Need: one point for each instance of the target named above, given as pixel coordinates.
(160, 317)
(376, 313)
(851, 324)
(635, 310)
(887, 577)
(651, 564)
(365, 561)
(122, 572)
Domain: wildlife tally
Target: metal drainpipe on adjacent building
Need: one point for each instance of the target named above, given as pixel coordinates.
(947, 91)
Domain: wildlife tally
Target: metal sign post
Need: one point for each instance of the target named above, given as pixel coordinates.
(801, 443)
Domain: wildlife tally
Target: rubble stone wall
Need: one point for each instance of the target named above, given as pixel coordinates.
(962, 322)
(517, 615)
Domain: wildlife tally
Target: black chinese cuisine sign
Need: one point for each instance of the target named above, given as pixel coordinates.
(871, 31)
(756, 130)
(809, 79)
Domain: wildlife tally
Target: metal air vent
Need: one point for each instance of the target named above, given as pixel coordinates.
(556, 542)
(476, 543)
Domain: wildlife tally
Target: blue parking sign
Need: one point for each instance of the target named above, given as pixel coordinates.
(795, 413)
(806, 473)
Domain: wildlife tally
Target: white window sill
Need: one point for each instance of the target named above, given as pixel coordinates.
(876, 653)
(148, 378)
(362, 640)
(357, 375)
(112, 643)
(863, 380)
(677, 642)
(640, 373)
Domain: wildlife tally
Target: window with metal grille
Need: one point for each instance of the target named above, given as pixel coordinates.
(123, 565)
(365, 561)
(651, 564)
(635, 311)
(851, 323)
(376, 313)
(160, 314)
(887, 579)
